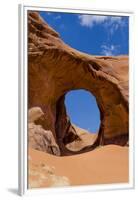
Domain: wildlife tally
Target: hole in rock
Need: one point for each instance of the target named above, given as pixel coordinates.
(82, 108)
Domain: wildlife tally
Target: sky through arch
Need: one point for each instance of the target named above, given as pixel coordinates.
(83, 110)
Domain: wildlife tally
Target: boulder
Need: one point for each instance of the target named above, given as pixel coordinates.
(39, 138)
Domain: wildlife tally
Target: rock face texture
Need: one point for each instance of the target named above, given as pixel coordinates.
(39, 138)
(55, 68)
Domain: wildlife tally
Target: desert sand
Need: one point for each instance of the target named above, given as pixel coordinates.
(105, 165)
(85, 139)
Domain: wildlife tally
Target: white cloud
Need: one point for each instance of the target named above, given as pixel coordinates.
(115, 19)
(58, 17)
(90, 20)
(48, 13)
(55, 17)
(112, 22)
(109, 50)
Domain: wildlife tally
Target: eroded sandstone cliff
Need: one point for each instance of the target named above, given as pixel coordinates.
(54, 68)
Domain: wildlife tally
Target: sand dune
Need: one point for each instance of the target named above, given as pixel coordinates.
(86, 139)
(108, 164)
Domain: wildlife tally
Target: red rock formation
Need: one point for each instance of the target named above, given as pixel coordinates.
(54, 68)
(39, 138)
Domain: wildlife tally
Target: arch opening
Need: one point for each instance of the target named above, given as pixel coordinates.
(78, 125)
(83, 111)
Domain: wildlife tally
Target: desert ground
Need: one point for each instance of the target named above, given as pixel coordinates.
(105, 165)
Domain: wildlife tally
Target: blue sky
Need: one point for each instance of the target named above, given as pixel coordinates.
(83, 109)
(93, 34)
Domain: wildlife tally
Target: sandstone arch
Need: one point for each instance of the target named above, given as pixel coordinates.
(54, 68)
